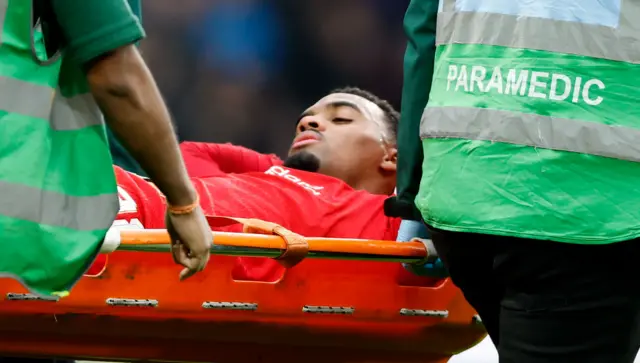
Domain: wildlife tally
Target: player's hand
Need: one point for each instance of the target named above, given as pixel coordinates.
(191, 240)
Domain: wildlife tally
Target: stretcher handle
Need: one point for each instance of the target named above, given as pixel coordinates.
(296, 246)
(246, 244)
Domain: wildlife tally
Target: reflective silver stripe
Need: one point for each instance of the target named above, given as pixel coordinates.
(47, 207)
(532, 130)
(621, 44)
(38, 101)
(25, 98)
(447, 5)
(75, 112)
(4, 4)
(55, 209)
(34, 100)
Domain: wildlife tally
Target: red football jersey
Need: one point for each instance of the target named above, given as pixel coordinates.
(235, 181)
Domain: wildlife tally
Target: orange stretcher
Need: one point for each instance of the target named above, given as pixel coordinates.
(324, 309)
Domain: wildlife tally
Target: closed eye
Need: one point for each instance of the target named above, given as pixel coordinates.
(340, 120)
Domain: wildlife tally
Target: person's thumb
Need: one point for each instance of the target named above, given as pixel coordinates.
(186, 273)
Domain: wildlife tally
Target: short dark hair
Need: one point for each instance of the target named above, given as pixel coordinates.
(392, 117)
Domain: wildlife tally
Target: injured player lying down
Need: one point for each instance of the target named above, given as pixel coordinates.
(340, 169)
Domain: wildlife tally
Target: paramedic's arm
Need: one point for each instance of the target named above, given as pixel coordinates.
(101, 34)
(420, 28)
(209, 159)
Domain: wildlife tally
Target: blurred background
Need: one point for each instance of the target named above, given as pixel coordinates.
(241, 71)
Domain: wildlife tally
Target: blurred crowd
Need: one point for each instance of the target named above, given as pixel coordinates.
(241, 71)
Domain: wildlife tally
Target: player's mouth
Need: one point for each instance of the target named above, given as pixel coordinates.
(306, 138)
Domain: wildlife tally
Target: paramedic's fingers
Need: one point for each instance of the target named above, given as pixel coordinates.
(431, 269)
(181, 253)
(409, 230)
(191, 239)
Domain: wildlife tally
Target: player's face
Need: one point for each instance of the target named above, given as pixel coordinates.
(346, 134)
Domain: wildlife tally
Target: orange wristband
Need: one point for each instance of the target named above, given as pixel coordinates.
(184, 209)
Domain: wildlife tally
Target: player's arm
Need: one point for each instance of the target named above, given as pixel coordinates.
(207, 159)
(100, 35)
(420, 28)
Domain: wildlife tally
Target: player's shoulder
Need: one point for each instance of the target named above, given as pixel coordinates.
(135, 184)
(122, 174)
(145, 178)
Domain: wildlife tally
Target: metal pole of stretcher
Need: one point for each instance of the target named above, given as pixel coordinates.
(259, 245)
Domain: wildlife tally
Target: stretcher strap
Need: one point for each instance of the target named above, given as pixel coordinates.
(296, 246)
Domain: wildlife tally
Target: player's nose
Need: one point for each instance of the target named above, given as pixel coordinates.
(312, 123)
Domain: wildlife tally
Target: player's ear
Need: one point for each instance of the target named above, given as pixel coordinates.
(390, 160)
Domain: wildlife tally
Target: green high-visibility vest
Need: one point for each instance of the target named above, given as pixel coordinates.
(532, 128)
(57, 187)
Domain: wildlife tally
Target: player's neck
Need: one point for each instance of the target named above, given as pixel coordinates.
(374, 186)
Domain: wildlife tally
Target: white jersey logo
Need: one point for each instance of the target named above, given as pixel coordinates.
(127, 204)
(285, 173)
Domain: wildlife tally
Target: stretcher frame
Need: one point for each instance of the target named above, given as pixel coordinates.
(324, 310)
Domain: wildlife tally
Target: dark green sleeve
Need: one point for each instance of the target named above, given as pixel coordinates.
(91, 28)
(420, 28)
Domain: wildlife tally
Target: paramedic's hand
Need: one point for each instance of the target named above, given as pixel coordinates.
(415, 229)
(411, 229)
(191, 240)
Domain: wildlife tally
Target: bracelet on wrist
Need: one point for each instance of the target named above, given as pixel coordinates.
(181, 210)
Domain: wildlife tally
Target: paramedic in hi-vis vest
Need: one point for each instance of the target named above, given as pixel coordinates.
(520, 144)
(61, 63)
